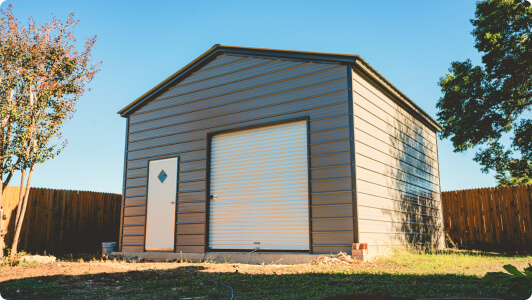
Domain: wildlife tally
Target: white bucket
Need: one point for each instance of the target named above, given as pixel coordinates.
(108, 247)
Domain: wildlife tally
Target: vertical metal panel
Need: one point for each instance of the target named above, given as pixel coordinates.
(160, 217)
(260, 179)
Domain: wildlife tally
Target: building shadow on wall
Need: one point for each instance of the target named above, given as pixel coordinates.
(416, 217)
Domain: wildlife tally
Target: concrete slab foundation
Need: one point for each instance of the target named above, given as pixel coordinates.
(278, 258)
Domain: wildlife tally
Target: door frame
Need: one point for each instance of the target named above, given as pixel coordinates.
(176, 195)
(208, 180)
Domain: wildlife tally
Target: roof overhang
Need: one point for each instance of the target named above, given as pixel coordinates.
(346, 59)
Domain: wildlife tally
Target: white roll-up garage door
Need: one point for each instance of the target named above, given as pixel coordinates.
(259, 179)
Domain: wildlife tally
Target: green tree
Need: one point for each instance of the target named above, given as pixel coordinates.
(482, 106)
(42, 76)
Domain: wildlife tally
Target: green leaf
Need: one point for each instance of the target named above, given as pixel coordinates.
(513, 270)
(497, 277)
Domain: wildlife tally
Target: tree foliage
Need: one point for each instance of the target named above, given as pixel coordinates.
(42, 76)
(483, 106)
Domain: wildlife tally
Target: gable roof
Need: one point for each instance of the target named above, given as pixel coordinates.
(348, 59)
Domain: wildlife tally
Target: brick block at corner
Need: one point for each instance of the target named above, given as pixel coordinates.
(359, 249)
(359, 252)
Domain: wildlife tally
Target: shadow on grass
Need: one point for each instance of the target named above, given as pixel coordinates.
(488, 252)
(501, 251)
(178, 283)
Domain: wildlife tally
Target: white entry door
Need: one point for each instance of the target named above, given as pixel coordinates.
(259, 183)
(161, 210)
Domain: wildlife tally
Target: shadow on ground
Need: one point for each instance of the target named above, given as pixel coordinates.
(179, 283)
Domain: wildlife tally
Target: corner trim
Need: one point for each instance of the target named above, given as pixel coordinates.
(123, 205)
(396, 94)
(356, 232)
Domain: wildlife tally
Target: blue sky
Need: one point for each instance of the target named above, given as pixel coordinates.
(141, 43)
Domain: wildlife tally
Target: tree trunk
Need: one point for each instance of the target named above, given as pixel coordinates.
(24, 192)
(1, 219)
(18, 224)
(4, 141)
(20, 195)
(2, 233)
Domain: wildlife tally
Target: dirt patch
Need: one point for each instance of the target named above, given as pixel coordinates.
(75, 268)
(338, 259)
(119, 279)
(107, 267)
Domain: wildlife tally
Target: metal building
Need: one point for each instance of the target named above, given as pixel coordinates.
(248, 148)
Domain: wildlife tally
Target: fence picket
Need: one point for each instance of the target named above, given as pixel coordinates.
(491, 216)
(62, 221)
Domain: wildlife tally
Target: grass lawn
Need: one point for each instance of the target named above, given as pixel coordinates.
(411, 275)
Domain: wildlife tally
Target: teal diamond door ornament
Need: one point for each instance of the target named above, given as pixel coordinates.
(162, 176)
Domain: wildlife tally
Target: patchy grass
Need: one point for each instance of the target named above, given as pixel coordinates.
(475, 263)
(406, 274)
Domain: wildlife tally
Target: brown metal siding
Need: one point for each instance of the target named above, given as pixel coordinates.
(397, 177)
(232, 92)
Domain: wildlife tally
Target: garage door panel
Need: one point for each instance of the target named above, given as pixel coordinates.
(272, 168)
(260, 179)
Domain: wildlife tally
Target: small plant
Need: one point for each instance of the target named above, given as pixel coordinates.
(12, 260)
(520, 282)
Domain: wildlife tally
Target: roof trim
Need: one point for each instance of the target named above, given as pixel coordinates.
(367, 69)
(347, 59)
(126, 111)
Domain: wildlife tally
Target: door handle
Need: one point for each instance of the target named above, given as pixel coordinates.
(214, 197)
(173, 202)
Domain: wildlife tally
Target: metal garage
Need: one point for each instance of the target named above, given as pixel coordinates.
(278, 150)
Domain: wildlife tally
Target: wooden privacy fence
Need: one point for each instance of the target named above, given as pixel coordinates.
(62, 221)
(494, 217)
